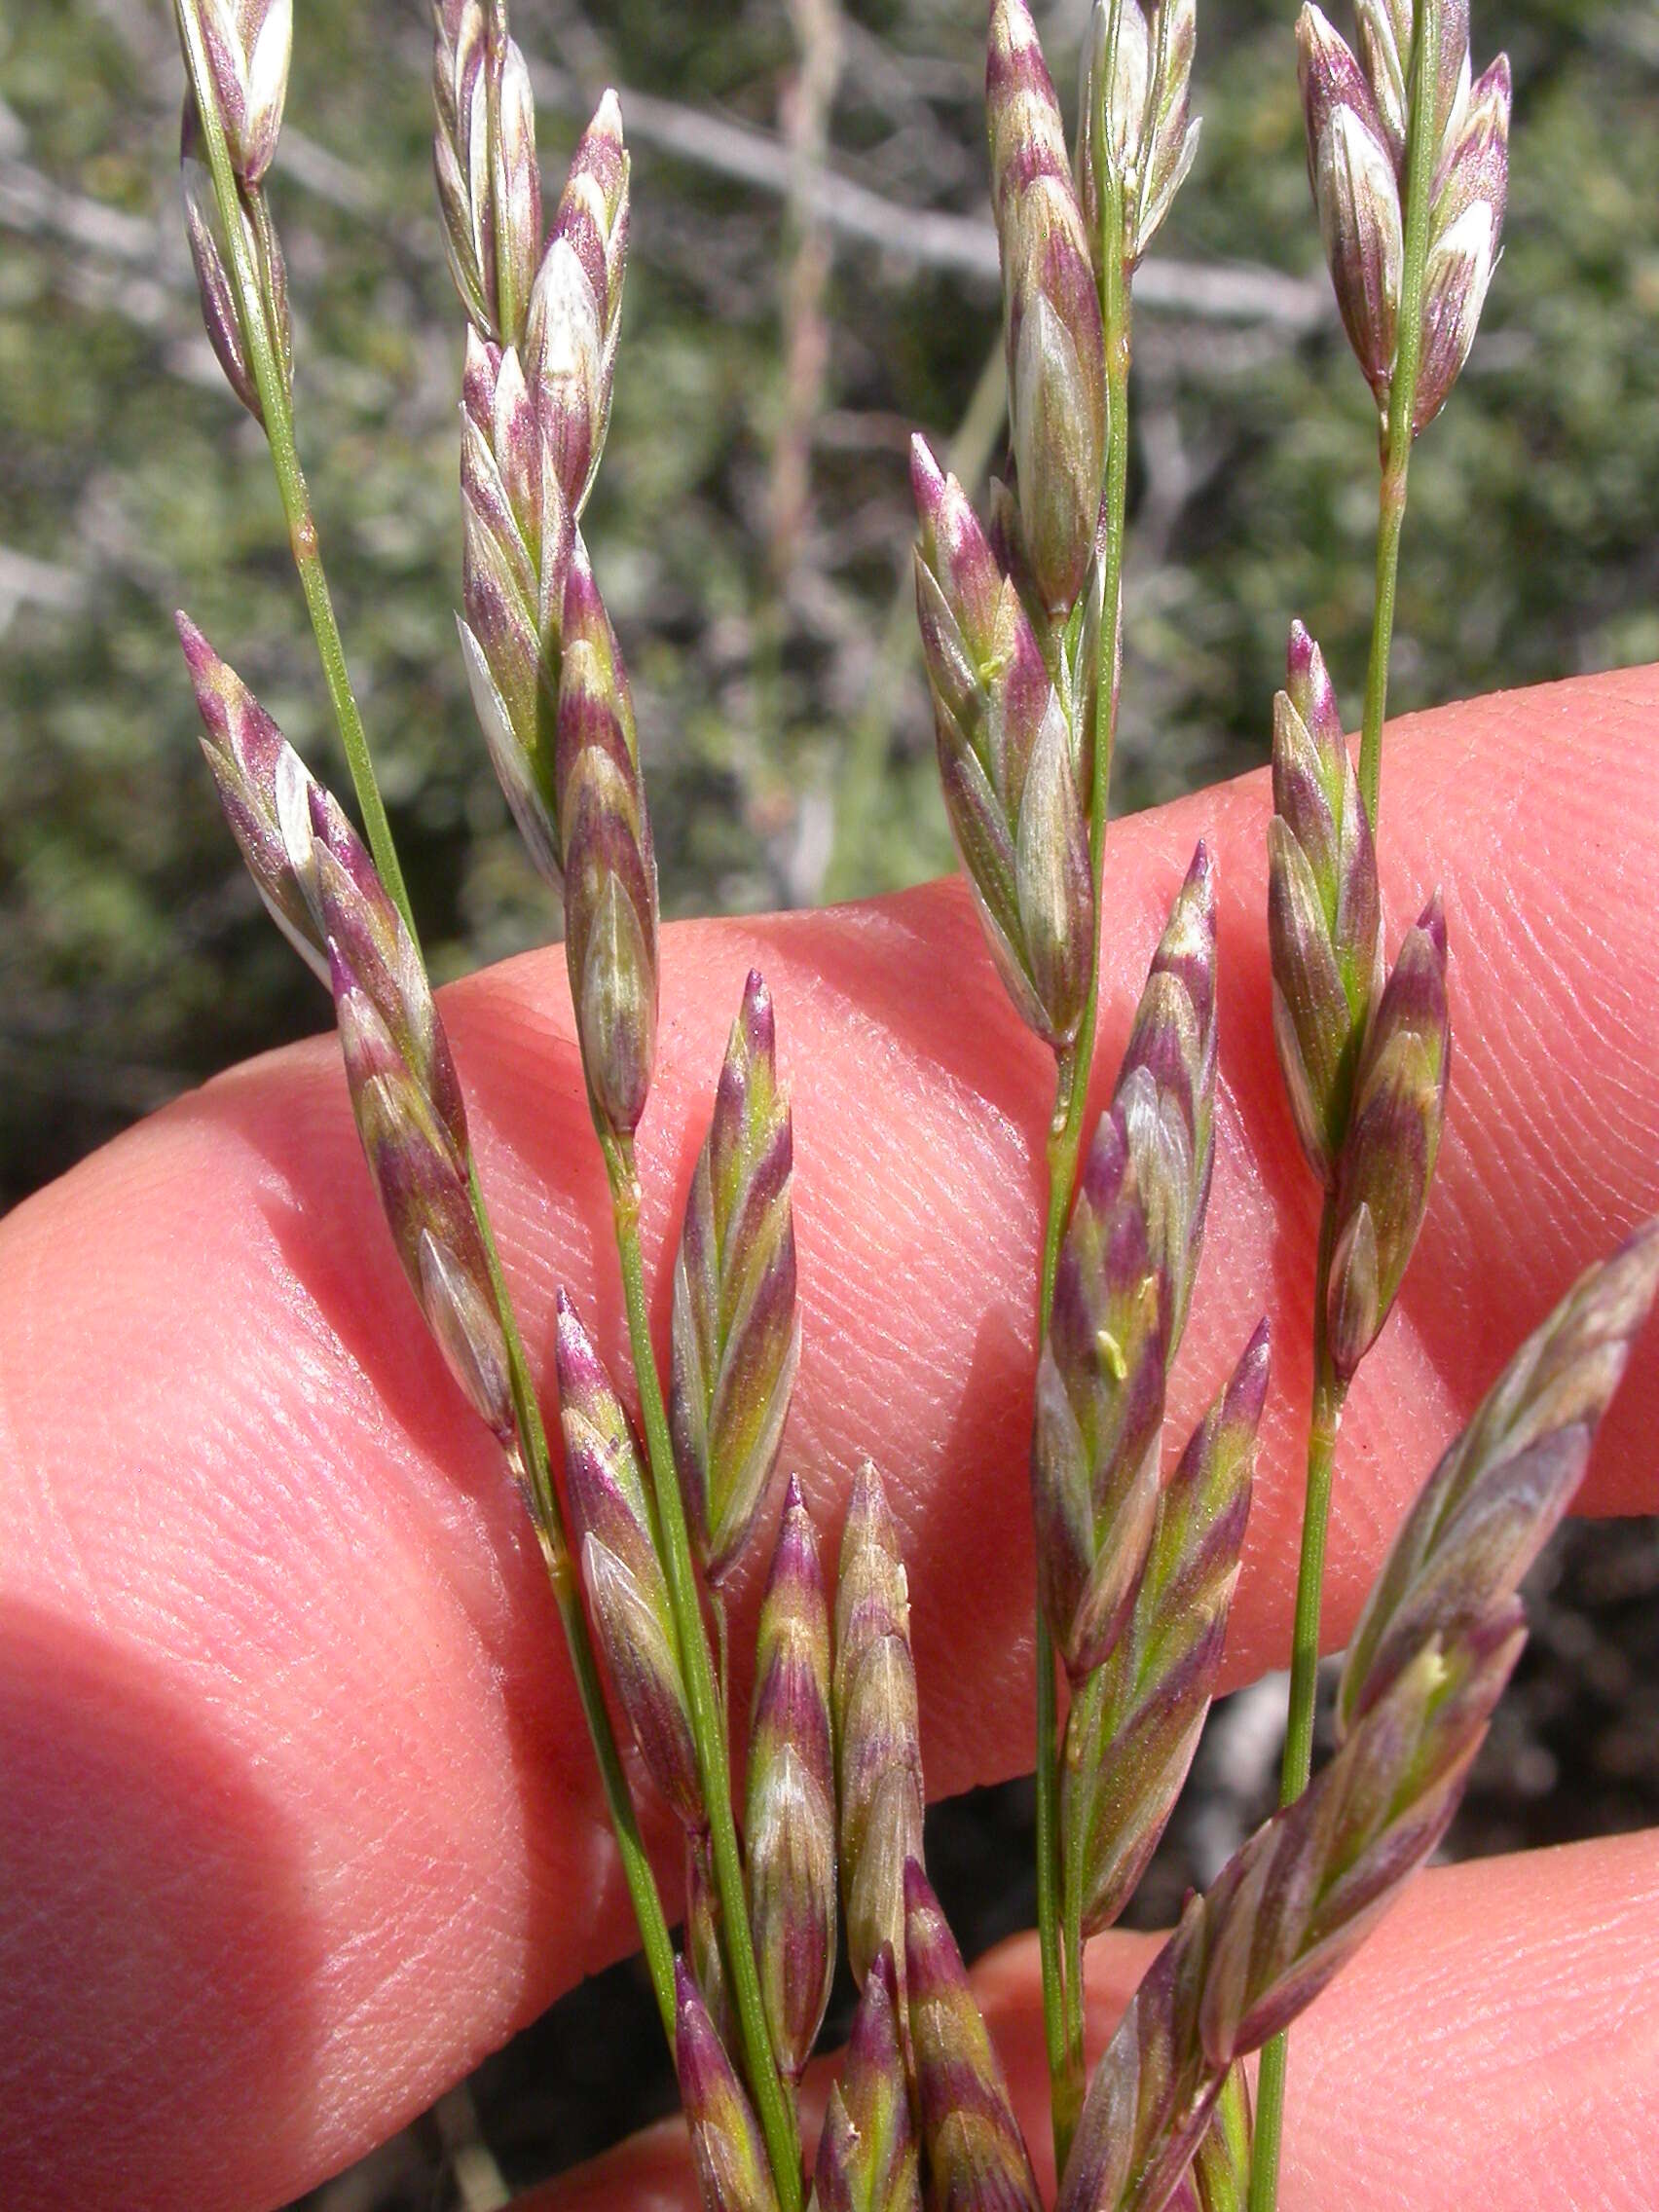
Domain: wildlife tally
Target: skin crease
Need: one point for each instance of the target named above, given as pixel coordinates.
(299, 1818)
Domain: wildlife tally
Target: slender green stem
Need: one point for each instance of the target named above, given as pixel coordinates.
(1065, 1142)
(1327, 1414)
(533, 1467)
(773, 2106)
(1421, 152)
(258, 336)
(1065, 2087)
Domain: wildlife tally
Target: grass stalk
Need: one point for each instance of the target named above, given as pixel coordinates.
(773, 2105)
(535, 1467)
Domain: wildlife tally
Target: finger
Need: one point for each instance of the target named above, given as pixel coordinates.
(1495, 2042)
(281, 1661)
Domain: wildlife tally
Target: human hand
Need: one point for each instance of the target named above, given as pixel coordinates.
(299, 1817)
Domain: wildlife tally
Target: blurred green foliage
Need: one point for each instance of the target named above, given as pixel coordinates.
(133, 958)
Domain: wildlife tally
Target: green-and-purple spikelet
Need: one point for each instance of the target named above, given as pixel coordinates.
(1134, 1724)
(977, 2156)
(1492, 1503)
(576, 310)
(1436, 1646)
(867, 2152)
(1324, 906)
(878, 1757)
(626, 1586)
(1012, 773)
(726, 2147)
(1099, 1413)
(789, 1795)
(1393, 1143)
(1358, 111)
(517, 539)
(484, 153)
(1149, 144)
(249, 44)
(1166, 1090)
(736, 1336)
(1056, 376)
(210, 258)
(320, 886)
(610, 883)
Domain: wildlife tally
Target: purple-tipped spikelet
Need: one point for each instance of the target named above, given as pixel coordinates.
(1148, 144)
(265, 788)
(867, 2152)
(977, 2156)
(1056, 379)
(1134, 1724)
(1471, 191)
(484, 153)
(736, 1332)
(408, 1106)
(789, 1795)
(1359, 111)
(210, 258)
(1013, 774)
(576, 310)
(1166, 1090)
(320, 887)
(626, 1586)
(1433, 1651)
(1486, 1510)
(1324, 906)
(610, 883)
(1357, 190)
(726, 2148)
(1100, 1383)
(1282, 1917)
(1393, 1140)
(705, 1925)
(517, 540)
(1385, 28)
(878, 1757)
(248, 45)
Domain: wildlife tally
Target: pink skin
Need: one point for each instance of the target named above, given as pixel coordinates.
(298, 1819)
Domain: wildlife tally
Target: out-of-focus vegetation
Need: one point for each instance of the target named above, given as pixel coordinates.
(788, 742)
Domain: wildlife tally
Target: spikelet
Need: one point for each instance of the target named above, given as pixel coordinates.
(626, 1585)
(736, 1336)
(1012, 773)
(320, 886)
(977, 2156)
(877, 1741)
(1140, 135)
(726, 2148)
(210, 259)
(1135, 1725)
(1435, 1647)
(1393, 1143)
(789, 1795)
(867, 2152)
(1324, 907)
(610, 883)
(576, 310)
(484, 153)
(249, 44)
(1056, 379)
